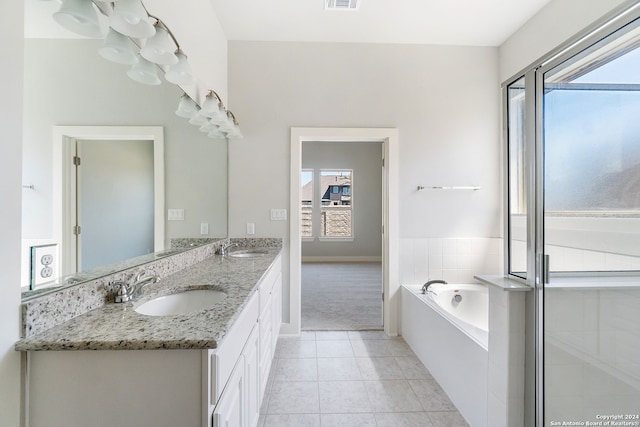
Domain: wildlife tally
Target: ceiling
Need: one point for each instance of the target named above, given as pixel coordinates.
(447, 22)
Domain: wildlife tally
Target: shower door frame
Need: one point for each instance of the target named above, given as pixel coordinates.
(537, 264)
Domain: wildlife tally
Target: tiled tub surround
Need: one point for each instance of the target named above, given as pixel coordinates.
(455, 260)
(85, 317)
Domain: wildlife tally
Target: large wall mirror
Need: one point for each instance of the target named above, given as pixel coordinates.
(68, 85)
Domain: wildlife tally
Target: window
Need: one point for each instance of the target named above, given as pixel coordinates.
(336, 210)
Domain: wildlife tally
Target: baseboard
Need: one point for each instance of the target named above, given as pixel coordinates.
(341, 259)
(287, 330)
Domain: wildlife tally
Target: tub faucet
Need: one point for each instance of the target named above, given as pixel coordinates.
(224, 249)
(425, 287)
(132, 290)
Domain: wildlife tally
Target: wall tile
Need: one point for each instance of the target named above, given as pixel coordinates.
(449, 247)
(435, 246)
(463, 246)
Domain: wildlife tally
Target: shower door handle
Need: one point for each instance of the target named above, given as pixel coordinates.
(545, 269)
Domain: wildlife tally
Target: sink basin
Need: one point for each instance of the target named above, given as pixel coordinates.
(181, 303)
(248, 253)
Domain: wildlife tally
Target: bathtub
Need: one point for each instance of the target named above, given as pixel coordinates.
(464, 305)
(448, 330)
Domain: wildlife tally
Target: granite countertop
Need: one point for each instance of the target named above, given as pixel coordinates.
(119, 327)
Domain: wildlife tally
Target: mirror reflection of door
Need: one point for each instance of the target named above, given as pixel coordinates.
(114, 201)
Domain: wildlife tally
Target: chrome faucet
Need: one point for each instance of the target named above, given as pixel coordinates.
(425, 287)
(133, 290)
(224, 249)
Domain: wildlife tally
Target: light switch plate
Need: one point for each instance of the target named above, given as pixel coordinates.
(278, 214)
(44, 264)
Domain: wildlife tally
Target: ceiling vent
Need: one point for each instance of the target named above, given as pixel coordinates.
(341, 4)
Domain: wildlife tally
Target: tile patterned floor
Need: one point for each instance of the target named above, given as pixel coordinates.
(350, 379)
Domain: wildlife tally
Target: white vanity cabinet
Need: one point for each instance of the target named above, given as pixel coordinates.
(220, 387)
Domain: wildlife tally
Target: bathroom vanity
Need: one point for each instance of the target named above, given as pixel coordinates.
(203, 368)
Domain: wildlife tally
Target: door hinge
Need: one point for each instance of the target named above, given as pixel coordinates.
(383, 162)
(383, 296)
(77, 230)
(76, 161)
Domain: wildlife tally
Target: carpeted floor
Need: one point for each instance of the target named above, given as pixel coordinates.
(341, 296)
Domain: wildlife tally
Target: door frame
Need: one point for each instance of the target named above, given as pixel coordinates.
(390, 217)
(64, 185)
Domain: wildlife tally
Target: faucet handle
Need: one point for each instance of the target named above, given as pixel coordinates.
(122, 294)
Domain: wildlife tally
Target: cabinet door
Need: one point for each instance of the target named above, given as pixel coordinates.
(276, 313)
(252, 377)
(231, 408)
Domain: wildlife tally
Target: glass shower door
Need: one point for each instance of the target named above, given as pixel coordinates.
(591, 217)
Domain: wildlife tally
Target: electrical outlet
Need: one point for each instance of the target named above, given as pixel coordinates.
(204, 228)
(43, 264)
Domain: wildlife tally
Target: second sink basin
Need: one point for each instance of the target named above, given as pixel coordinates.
(248, 253)
(181, 303)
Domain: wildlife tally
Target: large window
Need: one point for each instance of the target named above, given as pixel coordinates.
(336, 210)
(326, 204)
(591, 140)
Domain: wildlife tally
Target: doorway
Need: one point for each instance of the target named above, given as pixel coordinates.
(341, 217)
(64, 185)
(390, 238)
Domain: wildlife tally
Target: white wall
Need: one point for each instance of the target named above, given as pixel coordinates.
(555, 23)
(68, 83)
(443, 100)
(365, 159)
(11, 33)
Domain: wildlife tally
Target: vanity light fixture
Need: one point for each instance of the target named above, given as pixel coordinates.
(118, 48)
(216, 134)
(144, 72)
(212, 106)
(227, 124)
(198, 120)
(131, 26)
(180, 73)
(187, 107)
(80, 17)
(130, 18)
(208, 126)
(159, 48)
(230, 127)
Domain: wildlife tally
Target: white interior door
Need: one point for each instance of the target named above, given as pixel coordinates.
(115, 201)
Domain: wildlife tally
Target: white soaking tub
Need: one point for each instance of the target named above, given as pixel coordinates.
(448, 330)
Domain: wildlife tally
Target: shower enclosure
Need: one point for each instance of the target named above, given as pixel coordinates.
(572, 126)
